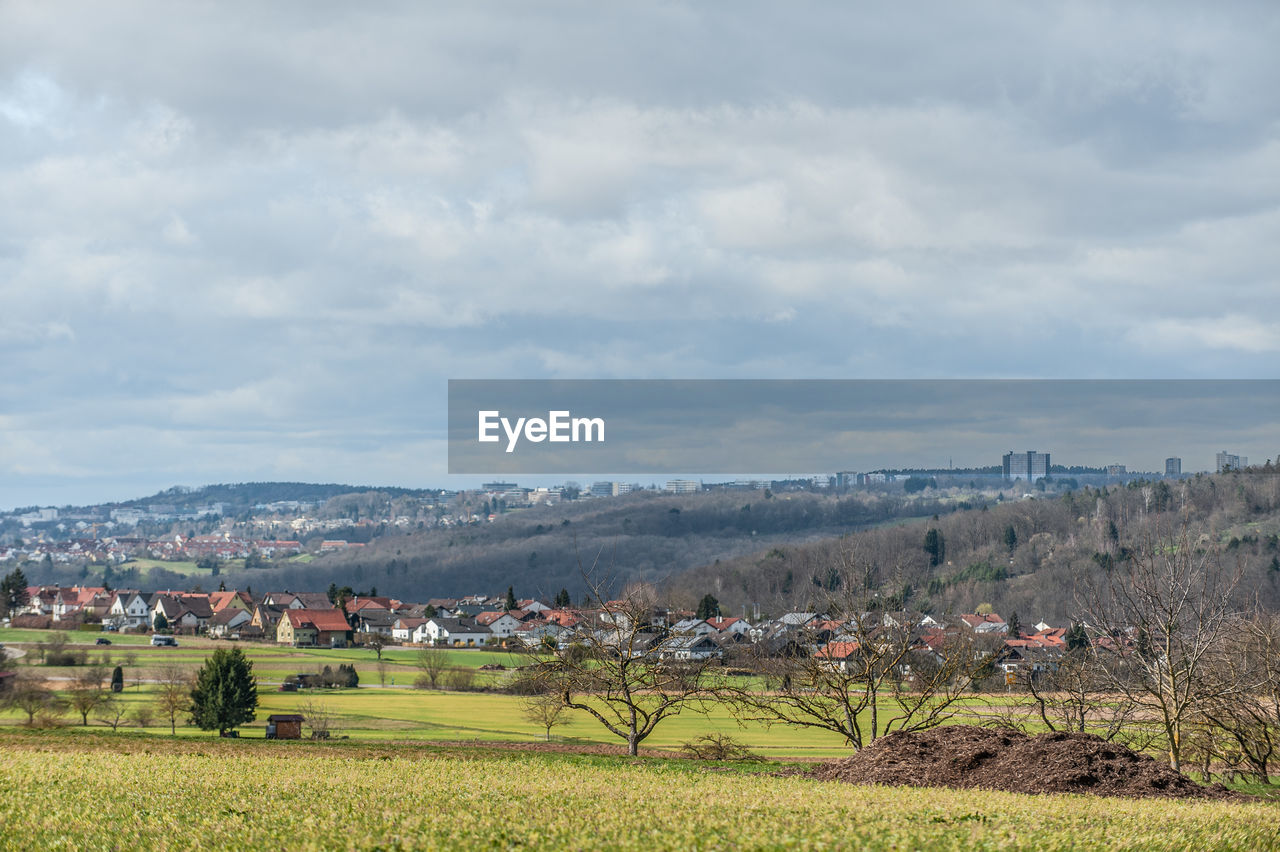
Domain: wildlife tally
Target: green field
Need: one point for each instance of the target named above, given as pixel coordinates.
(152, 793)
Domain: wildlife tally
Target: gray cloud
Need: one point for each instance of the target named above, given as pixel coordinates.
(240, 242)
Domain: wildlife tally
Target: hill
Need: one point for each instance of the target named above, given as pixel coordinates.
(1025, 556)
(646, 536)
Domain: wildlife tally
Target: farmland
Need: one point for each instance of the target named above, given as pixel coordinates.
(162, 794)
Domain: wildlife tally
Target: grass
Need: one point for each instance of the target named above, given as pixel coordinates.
(153, 793)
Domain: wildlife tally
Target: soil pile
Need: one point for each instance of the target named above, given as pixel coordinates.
(967, 756)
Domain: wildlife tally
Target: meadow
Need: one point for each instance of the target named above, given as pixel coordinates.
(153, 793)
(385, 706)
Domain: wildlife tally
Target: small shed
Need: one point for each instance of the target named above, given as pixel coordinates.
(284, 726)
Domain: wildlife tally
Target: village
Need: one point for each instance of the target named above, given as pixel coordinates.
(341, 618)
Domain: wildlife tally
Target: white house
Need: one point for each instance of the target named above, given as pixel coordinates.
(457, 632)
(129, 609)
(500, 624)
(690, 647)
(402, 629)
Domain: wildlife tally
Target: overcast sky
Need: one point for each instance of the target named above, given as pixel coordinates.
(253, 241)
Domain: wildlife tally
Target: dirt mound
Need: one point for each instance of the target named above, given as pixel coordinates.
(967, 756)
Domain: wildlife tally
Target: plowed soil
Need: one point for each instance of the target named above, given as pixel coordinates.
(966, 756)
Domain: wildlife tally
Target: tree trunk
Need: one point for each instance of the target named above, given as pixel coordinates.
(633, 744)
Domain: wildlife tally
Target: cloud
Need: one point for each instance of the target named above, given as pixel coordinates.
(282, 210)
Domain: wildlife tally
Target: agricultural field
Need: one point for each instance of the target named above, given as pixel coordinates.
(156, 793)
(385, 706)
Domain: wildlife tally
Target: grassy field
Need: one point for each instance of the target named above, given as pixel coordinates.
(380, 711)
(152, 793)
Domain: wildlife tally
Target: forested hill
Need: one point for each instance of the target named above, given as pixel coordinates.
(1028, 556)
(641, 536)
(240, 496)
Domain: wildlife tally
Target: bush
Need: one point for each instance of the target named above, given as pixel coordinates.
(718, 747)
(460, 679)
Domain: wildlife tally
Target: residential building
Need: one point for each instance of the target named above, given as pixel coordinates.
(1230, 461)
(1173, 466)
(1029, 466)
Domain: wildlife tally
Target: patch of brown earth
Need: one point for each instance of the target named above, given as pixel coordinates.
(989, 759)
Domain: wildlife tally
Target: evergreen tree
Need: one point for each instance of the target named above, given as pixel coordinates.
(13, 591)
(1015, 626)
(1010, 538)
(510, 603)
(117, 679)
(563, 601)
(1077, 638)
(936, 547)
(226, 693)
(159, 622)
(708, 607)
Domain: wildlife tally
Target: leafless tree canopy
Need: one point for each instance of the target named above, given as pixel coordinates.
(618, 674)
(1159, 620)
(863, 672)
(173, 695)
(432, 662)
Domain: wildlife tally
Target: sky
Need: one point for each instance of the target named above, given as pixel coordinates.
(253, 241)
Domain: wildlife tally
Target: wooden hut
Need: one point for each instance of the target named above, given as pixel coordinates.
(284, 726)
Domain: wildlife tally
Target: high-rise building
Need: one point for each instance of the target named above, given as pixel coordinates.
(683, 486)
(1029, 465)
(1117, 470)
(1229, 460)
(1173, 466)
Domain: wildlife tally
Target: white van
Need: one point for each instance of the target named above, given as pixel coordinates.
(165, 641)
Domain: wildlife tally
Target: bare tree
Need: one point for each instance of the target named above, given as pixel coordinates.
(376, 642)
(432, 662)
(1249, 719)
(86, 693)
(1075, 696)
(869, 680)
(173, 697)
(112, 712)
(459, 678)
(617, 673)
(29, 694)
(1159, 620)
(863, 673)
(320, 717)
(545, 710)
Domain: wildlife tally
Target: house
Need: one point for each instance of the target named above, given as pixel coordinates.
(723, 626)
(221, 600)
(129, 610)
(838, 653)
(402, 628)
(373, 620)
(266, 618)
(990, 623)
(313, 627)
(692, 627)
(692, 647)
(534, 634)
(457, 632)
(313, 600)
(228, 621)
(532, 605)
(500, 624)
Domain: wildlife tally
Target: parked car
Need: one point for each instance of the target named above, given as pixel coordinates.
(102, 640)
